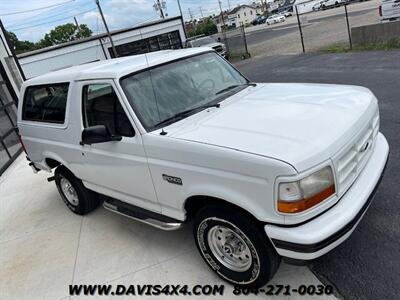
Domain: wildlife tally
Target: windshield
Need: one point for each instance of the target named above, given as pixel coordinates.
(167, 90)
(202, 41)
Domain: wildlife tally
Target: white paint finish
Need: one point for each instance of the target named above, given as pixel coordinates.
(237, 152)
(302, 124)
(341, 214)
(241, 178)
(390, 10)
(113, 68)
(102, 247)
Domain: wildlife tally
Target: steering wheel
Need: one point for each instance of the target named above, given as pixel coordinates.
(207, 86)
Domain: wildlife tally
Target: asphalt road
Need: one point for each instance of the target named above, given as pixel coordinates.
(261, 36)
(367, 265)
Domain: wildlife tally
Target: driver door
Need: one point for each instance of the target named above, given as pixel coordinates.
(117, 169)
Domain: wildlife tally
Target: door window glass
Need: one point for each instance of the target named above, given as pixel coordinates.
(101, 106)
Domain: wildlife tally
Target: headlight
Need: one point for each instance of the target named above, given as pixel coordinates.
(298, 196)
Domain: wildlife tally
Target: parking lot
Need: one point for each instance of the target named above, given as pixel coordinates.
(320, 29)
(367, 265)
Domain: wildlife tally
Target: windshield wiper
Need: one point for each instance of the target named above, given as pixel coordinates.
(234, 86)
(186, 112)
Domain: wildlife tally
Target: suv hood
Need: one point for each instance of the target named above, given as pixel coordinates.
(301, 124)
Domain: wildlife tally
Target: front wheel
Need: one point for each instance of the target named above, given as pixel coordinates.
(235, 247)
(74, 194)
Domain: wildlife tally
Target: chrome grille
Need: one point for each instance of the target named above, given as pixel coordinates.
(350, 163)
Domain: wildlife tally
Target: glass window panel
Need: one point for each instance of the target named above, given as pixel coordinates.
(12, 143)
(46, 103)
(5, 124)
(5, 96)
(102, 107)
(4, 157)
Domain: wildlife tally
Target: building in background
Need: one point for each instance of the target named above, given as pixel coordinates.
(159, 35)
(243, 14)
(11, 78)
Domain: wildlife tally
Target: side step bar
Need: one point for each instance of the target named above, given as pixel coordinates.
(142, 215)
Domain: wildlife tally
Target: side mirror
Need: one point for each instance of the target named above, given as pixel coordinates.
(98, 134)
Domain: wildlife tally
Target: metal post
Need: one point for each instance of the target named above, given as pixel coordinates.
(183, 21)
(77, 25)
(301, 32)
(108, 31)
(223, 27)
(245, 42)
(348, 27)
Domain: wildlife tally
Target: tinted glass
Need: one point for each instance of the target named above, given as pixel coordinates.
(46, 103)
(170, 40)
(101, 106)
(166, 90)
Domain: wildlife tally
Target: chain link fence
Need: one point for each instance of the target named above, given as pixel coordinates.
(235, 42)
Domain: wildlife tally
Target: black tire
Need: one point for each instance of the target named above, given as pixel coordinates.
(87, 200)
(263, 262)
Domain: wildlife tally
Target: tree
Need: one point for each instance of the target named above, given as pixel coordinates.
(65, 33)
(207, 27)
(20, 46)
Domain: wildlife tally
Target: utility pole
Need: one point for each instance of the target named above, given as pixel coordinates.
(191, 20)
(108, 31)
(180, 8)
(191, 15)
(201, 12)
(222, 13)
(77, 25)
(183, 21)
(160, 6)
(225, 40)
(229, 4)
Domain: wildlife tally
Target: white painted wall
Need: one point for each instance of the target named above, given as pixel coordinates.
(5, 53)
(245, 15)
(90, 51)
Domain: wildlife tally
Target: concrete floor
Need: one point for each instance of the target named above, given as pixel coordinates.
(44, 247)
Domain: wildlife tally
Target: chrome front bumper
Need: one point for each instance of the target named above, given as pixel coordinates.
(323, 233)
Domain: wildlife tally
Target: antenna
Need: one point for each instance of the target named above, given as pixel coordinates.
(163, 132)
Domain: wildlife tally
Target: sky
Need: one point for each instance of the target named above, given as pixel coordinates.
(35, 23)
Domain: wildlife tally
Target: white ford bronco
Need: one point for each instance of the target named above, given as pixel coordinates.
(261, 170)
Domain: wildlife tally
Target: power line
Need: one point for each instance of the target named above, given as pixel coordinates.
(54, 21)
(35, 9)
(49, 18)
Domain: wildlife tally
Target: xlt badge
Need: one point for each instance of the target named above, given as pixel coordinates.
(172, 179)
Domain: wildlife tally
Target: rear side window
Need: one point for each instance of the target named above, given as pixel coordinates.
(45, 103)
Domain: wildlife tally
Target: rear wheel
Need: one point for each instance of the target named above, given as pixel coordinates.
(78, 199)
(235, 247)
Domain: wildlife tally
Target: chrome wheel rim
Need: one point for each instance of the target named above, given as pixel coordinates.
(229, 248)
(69, 191)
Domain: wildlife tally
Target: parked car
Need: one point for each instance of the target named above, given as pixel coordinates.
(317, 6)
(261, 170)
(332, 3)
(259, 20)
(206, 41)
(275, 19)
(286, 13)
(389, 10)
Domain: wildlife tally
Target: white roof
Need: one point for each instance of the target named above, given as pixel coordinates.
(114, 68)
